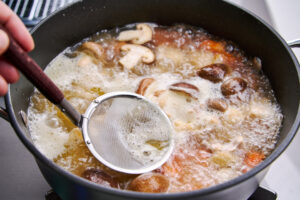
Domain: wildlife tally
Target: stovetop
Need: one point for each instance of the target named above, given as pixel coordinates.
(32, 11)
(20, 175)
(260, 194)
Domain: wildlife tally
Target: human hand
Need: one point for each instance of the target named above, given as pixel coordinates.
(8, 73)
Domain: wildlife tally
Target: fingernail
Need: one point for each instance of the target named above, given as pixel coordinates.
(4, 42)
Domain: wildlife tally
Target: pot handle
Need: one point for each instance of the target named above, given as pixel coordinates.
(294, 43)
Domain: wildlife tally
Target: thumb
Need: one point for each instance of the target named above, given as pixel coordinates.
(4, 42)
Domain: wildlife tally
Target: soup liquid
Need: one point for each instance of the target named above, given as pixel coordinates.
(211, 146)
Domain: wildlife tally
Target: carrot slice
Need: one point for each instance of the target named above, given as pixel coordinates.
(253, 158)
(214, 46)
(172, 168)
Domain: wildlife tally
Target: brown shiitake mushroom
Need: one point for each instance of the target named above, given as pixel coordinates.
(150, 182)
(144, 84)
(257, 63)
(214, 72)
(94, 49)
(217, 104)
(99, 177)
(233, 86)
(185, 88)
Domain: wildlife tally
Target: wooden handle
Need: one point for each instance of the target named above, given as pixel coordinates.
(33, 72)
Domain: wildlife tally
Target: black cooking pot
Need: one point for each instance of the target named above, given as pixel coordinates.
(71, 25)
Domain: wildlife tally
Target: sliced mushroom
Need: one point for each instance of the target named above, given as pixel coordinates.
(94, 49)
(100, 177)
(257, 63)
(260, 109)
(144, 84)
(234, 115)
(231, 146)
(178, 105)
(150, 182)
(135, 54)
(233, 86)
(223, 159)
(158, 93)
(186, 88)
(214, 72)
(84, 61)
(217, 104)
(141, 35)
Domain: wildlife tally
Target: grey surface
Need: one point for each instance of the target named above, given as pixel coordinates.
(20, 176)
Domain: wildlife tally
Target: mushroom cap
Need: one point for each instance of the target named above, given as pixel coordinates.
(141, 35)
(94, 48)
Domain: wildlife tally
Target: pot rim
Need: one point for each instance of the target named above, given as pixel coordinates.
(205, 191)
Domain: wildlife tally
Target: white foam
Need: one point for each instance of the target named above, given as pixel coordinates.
(49, 140)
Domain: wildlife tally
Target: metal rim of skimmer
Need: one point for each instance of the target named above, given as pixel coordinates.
(89, 112)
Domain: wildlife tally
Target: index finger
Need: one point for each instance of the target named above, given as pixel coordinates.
(15, 27)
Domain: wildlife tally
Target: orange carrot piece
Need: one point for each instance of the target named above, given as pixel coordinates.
(172, 168)
(253, 158)
(213, 46)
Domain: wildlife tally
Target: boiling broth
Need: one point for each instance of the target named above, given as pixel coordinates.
(222, 107)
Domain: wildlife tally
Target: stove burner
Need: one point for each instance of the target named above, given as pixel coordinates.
(259, 194)
(51, 195)
(33, 11)
(263, 194)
